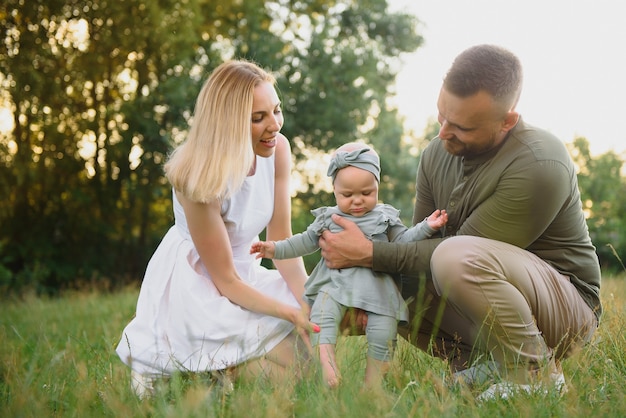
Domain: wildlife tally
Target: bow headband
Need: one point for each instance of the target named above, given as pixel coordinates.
(359, 158)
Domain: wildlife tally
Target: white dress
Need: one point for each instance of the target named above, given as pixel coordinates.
(182, 322)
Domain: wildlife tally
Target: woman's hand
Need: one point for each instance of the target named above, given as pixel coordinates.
(300, 318)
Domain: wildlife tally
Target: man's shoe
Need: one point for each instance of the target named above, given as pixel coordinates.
(506, 390)
(478, 375)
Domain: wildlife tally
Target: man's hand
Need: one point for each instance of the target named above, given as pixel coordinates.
(347, 248)
(354, 322)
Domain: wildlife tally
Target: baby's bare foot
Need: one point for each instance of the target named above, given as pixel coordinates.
(330, 371)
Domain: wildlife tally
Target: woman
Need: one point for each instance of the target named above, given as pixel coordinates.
(205, 303)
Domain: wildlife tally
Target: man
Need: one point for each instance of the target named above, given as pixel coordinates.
(513, 283)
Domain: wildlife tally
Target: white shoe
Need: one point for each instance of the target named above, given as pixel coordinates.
(142, 385)
(478, 375)
(506, 390)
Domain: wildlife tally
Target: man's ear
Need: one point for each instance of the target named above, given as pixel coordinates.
(510, 120)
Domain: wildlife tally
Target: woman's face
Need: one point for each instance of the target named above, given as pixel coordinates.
(267, 119)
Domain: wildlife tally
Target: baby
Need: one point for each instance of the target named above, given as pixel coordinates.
(355, 172)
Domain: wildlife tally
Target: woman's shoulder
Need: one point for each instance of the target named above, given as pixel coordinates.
(282, 153)
(280, 138)
(283, 147)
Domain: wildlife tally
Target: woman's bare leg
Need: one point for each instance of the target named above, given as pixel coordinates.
(287, 360)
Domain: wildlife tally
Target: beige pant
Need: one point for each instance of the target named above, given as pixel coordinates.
(492, 300)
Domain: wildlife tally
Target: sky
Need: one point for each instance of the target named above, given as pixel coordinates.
(573, 53)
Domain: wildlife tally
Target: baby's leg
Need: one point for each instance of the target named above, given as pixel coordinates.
(327, 314)
(382, 337)
(328, 362)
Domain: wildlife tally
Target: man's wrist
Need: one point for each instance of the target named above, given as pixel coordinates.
(381, 255)
(369, 260)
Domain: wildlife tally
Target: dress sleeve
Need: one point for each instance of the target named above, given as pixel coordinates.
(305, 242)
(417, 232)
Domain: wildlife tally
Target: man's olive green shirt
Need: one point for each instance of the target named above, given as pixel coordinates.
(524, 192)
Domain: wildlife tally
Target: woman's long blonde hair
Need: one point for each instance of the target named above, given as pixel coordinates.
(217, 154)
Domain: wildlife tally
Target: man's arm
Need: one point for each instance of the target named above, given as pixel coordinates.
(350, 248)
(516, 209)
(406, 258)
(525, 202)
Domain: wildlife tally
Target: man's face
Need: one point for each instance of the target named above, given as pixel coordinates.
(472, 125)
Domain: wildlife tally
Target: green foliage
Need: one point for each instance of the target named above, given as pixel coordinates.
(602, 183)
(101, 91)
(57, 359)
(84, 79)
(399, 161)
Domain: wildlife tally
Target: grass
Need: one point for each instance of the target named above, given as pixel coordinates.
(58, 360)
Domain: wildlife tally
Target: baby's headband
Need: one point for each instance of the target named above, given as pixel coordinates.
(359, 158)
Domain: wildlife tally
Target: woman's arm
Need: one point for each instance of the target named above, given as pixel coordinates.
(210, 238)
(279, 227)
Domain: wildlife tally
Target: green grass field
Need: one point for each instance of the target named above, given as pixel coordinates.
(58, 360)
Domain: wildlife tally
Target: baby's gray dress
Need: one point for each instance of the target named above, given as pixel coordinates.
(357, 287)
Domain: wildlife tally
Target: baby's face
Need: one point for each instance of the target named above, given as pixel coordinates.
(356, 191)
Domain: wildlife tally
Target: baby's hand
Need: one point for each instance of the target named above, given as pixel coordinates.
(263, 249)
(437, 219)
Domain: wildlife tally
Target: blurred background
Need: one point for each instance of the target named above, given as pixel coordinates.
(94, 95)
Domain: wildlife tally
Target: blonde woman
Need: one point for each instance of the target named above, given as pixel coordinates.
(205, 303)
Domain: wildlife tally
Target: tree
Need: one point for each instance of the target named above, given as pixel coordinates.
(339, 77)
(100, 91)
(77, 74)
(339, 73)
(602, 186)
